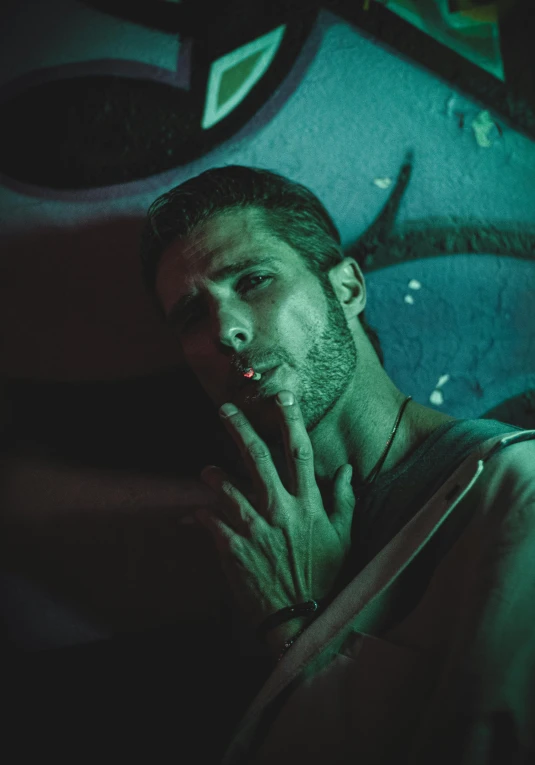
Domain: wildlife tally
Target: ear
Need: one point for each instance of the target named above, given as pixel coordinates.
(349, 286)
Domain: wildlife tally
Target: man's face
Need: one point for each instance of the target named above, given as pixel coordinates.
(273, 313)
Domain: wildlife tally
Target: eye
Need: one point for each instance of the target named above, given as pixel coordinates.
(192, 314)
(250, 277)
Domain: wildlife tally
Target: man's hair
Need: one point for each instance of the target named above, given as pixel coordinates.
(292, 213)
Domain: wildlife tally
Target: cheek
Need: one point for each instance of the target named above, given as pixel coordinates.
(300, 324)
(290, 314)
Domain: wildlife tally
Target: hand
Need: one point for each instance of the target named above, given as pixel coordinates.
(286, 549)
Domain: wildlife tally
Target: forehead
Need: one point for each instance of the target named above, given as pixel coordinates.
(230, 238)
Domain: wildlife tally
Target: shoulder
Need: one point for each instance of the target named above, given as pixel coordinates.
(505, 488)
(510, 465)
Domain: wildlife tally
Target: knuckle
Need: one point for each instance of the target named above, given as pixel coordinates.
(229, 489)
(302, 452)
(253, 529)
(232, 546)
(258, 452)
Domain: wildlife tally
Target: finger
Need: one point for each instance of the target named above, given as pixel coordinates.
(255, 454)
(238, 512)
(344, 505)
(297, 445)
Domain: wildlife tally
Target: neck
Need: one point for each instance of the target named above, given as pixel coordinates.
(374, 472)
(360, 437)
(364, 447)
(357, 433)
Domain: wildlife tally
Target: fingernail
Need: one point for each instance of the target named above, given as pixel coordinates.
(210, 473)
(285, 397)
(227, 410)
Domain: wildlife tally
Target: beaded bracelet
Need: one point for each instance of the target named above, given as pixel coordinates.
(290, 642)
(290, 612)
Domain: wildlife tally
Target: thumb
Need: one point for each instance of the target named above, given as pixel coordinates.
(344, 502)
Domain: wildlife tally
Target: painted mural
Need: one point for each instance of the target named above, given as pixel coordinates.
(470, 27)
(108, 104)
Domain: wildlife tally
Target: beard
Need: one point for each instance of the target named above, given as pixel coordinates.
(324, 376)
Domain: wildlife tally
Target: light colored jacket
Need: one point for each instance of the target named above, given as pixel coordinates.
(450, 683)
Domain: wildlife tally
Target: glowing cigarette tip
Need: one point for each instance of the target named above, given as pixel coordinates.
(252, 375)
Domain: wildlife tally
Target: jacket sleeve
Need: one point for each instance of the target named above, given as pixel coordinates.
(482, 711)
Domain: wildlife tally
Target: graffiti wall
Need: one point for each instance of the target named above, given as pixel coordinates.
(106, 105)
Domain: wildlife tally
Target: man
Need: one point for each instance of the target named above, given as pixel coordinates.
(247, 269)
(273, 312)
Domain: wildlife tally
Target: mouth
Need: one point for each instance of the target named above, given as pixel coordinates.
(265, 376)
(258, 384)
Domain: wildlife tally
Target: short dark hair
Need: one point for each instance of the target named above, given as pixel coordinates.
(293, 214)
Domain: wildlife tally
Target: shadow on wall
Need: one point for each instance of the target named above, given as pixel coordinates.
(94, 375)
(519, 411)
(107, 570)
(75, 307)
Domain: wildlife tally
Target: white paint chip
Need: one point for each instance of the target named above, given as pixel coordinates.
(482, 126)
(436, 398)
(441, 380)
(409, 299)
(383, 183)
(414, 284)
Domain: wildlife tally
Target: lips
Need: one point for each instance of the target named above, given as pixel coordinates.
(266, 373)
(266, 377)
(263, 370)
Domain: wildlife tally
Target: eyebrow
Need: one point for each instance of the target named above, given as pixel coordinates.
(222, 273)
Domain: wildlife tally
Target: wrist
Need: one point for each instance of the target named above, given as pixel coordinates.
(277, 636)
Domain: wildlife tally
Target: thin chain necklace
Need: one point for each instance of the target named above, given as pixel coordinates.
(377, 469)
